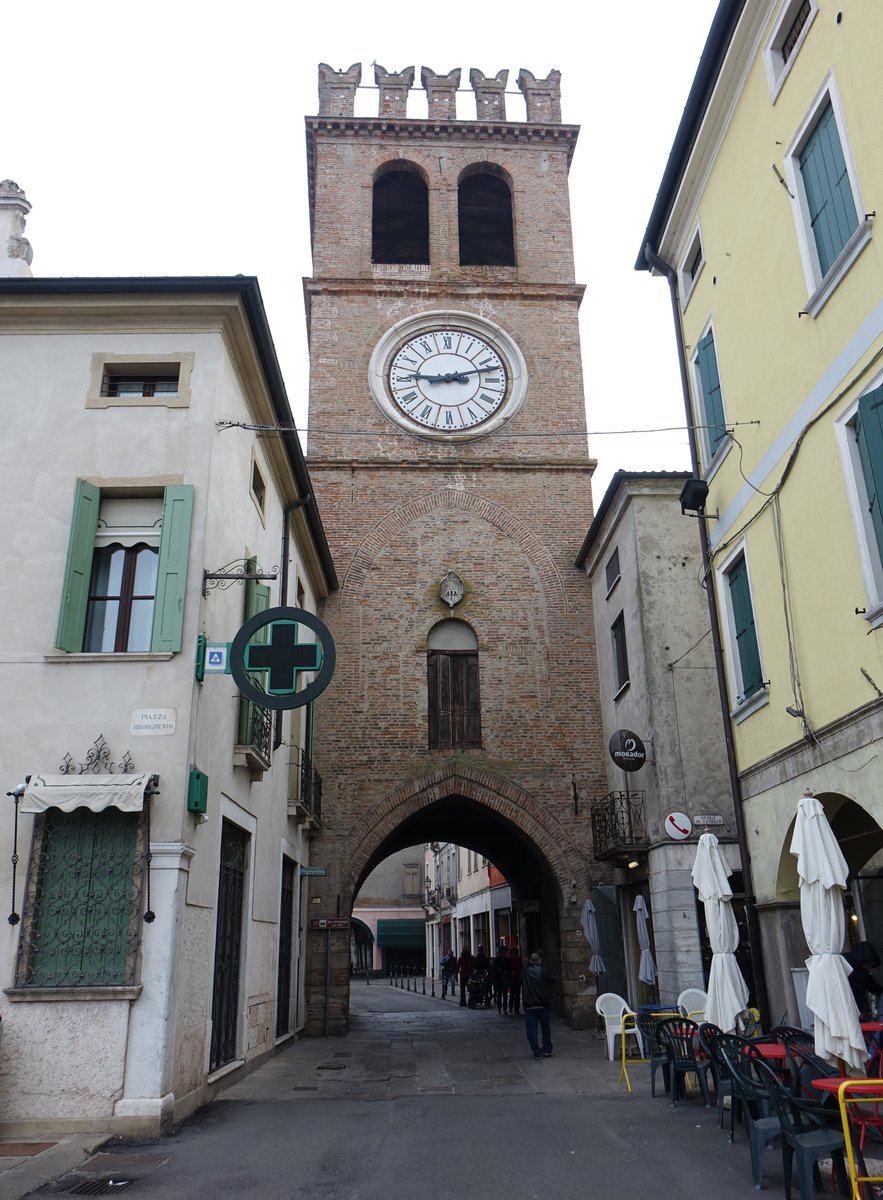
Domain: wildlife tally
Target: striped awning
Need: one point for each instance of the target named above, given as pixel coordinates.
(409, 931)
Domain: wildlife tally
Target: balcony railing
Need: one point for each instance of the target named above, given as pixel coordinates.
(254, 747)
(618, 826)
(306, 782)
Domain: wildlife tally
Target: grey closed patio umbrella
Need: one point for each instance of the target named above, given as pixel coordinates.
(647, 968)
(589, 923)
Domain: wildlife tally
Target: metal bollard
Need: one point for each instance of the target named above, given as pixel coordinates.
(408, 969)
(424, 985)
(391, 970)
(432, 978)
(367, 975)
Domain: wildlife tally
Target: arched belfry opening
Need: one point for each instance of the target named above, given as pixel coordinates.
(400, 216)
(484, 210)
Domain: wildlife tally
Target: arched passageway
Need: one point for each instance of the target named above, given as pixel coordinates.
(533, 851)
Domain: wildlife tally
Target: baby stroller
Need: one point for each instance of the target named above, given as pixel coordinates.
(478, 990)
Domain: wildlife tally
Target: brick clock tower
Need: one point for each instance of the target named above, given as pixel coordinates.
(448, 452)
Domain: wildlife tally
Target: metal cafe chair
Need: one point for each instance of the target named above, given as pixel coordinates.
(679, 1037)
(806, 1137)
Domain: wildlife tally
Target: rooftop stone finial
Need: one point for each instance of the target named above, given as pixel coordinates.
(490, 95)
(441, 93)
(15, 249)
(394, 88)
(542, 96)
(337, 90)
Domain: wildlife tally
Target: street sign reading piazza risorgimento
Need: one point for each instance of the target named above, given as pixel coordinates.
(280, 657)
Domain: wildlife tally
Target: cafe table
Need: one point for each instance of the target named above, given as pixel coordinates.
(772, 1051)
(869, 1090)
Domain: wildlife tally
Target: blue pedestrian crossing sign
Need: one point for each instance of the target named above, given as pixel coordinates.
(281, 657)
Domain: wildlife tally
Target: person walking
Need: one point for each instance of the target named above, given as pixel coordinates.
(514, 968)
(536, 988)
(499, 977)
(465, 967)
(448, 970)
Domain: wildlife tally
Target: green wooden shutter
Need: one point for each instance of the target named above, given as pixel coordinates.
(746, 636)
(257, 600)
(869, 435)
(78, 568)
(828, 193)
(171, 580)
(712, 403)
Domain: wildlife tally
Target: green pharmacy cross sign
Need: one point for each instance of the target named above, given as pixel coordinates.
(281, 657)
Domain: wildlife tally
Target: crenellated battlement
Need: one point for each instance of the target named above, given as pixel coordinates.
(542, 97)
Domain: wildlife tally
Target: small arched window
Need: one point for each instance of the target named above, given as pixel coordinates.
(484, 207)
(452, 684)
(400, 218)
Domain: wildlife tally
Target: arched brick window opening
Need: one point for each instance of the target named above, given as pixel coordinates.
(400, 218)
(454, 706)
(484, 206)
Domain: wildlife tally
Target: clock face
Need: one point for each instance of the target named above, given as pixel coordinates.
(447, 376)
(448, 379)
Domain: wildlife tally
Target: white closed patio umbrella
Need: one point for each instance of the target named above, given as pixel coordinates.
(589, 923)
(647, 967)
(727, 990)
(822, 871)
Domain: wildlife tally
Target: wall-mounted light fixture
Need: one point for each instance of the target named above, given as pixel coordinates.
(693, 496)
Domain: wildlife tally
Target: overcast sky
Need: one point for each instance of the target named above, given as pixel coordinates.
(168, 139)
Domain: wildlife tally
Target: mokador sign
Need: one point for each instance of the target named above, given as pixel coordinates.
(627, 750)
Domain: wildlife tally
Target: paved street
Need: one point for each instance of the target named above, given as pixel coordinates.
(425, 1097)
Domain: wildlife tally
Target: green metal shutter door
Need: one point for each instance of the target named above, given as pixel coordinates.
(869, 435)
(78, 568)
(712, 403)
(746, 636)
(174, 552)
(828, 193)
(82, 925)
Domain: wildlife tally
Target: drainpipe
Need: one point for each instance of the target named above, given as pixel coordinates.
(754, 944)
(283, 588)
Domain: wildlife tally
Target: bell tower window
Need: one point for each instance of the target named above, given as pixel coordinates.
(400, 218)
(484, 208)
(452, 684)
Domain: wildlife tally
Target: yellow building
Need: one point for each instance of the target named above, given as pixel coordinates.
(765, 226)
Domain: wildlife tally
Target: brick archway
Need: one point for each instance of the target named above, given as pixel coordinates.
(496, 794)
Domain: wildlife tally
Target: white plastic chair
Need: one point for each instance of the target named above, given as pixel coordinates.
(611, 1007)
(692, 1002)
